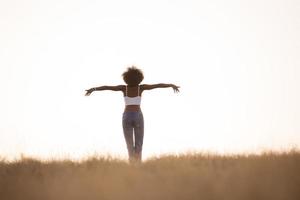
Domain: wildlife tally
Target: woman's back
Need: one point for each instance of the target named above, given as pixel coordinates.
(133, 91)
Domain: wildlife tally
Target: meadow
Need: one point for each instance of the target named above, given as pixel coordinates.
(196, 176)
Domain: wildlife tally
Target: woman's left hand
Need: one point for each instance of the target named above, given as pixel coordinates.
(89, 91)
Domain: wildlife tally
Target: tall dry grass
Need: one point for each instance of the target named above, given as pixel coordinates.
(271, 176)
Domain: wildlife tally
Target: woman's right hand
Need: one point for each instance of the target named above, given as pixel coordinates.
(175, 88)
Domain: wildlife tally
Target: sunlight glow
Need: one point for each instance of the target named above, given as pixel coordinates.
(237, 63)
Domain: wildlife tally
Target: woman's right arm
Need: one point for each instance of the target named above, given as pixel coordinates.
(159, 85)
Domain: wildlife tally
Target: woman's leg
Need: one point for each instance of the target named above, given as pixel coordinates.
(128, 134)
(138, 135)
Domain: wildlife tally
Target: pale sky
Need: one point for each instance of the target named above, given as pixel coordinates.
(237, 63)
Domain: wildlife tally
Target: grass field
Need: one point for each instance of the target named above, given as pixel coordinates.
(193, 176)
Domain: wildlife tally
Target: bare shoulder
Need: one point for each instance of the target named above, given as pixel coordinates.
(115, 88)
(150, 86)
(146, 86)
(121, 87)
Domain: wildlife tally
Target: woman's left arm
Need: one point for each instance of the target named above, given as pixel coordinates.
(113, 88)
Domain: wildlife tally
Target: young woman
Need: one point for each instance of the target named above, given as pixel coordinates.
(133, 121)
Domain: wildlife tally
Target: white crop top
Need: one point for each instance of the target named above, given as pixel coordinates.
(132, 100)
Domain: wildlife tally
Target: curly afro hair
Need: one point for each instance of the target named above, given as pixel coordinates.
(133, 76)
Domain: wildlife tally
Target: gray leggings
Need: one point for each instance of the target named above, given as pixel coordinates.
(133, 127)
